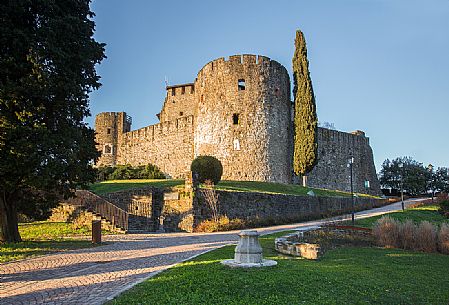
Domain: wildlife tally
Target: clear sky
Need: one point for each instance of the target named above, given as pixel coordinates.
(381, 66)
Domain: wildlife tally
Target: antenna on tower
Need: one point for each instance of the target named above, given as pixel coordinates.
(166, 81)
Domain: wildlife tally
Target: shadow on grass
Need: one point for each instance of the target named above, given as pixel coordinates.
(15, 251)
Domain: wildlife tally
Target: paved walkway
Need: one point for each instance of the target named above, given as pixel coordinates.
(95, 275)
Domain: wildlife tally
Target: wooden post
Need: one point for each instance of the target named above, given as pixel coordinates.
(96, 231)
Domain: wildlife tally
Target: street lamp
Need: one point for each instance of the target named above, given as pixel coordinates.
(430, 168)
(350, 163)
(401, 166)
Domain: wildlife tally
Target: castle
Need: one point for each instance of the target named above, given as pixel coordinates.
(240, 111)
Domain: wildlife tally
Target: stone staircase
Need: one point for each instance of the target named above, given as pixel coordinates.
(98, 208)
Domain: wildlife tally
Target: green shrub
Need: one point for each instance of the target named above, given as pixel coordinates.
(444, 208)
(104, 172)
(207, 168)
(123, 172)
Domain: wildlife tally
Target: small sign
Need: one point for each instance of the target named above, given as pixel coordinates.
(367, 184)
(171, 196)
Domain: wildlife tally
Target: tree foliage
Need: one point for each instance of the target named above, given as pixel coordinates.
(47, 64)
(415, 178)
(305, 143)
(207, 168)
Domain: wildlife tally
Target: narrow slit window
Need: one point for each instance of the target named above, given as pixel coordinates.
(109, 131)
(183, 90)
(192, 90)
(235, 119)
(242, 85)
(173, 91)
(181, 113)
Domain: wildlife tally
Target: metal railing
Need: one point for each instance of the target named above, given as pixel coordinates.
(115, 215)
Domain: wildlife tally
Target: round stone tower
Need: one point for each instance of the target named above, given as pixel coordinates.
(243, 117)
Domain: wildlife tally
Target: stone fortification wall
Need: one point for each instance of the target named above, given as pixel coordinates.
(179, 102)
(261, 208)
(243, 117)
(335, 148)
(169, 145)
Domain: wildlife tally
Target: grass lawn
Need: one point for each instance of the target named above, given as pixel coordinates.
(429, 213)
(343, 276)
(120, 185)
(240, 186)
(44, 237)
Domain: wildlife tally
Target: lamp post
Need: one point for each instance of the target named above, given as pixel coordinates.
(430, 168)
(401, 166)
(350, 163)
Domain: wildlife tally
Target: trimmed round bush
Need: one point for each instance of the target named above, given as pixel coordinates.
(207, 168)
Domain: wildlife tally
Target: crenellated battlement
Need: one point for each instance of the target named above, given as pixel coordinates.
(160, 129)
(244, 60)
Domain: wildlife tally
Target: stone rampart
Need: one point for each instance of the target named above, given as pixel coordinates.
(169, 145)
(278, 208)
(335, 148)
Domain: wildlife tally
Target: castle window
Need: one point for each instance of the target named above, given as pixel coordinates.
(173, 91)
(108, 131)
(183, 90)
(235, 119)
(192, 89)
(236, 144)
(242, 85)
(181, 113)
(107, 149)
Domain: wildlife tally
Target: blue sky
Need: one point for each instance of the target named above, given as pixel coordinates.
(381, 66)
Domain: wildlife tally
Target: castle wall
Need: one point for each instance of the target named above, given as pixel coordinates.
(243, 117)
(169, 145)
(179, 102)
(238, 110)
(335, 148)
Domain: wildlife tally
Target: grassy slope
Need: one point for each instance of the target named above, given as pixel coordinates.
(44, 237)
(342, 276)
(120, 185)
(241, 186)
(418, 214)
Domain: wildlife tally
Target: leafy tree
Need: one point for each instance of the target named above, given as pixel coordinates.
(305, 147)
(47, 63)
(412, 175)
(440, 180)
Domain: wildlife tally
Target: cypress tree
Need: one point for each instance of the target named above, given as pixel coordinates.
(305, 141)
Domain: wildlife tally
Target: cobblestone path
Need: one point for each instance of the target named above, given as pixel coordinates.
(94, 275)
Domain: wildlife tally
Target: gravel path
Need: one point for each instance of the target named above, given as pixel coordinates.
(95, 275)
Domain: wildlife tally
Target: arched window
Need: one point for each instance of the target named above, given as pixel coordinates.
(242, 85)
(236, 144)
(235, 119)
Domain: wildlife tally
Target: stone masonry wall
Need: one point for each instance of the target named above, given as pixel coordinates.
(277, 208)
(335, 148)
(169, 145)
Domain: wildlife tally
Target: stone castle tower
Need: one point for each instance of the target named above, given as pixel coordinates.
(240, 111)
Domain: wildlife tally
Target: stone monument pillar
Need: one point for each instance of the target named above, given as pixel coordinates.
(248, 252)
